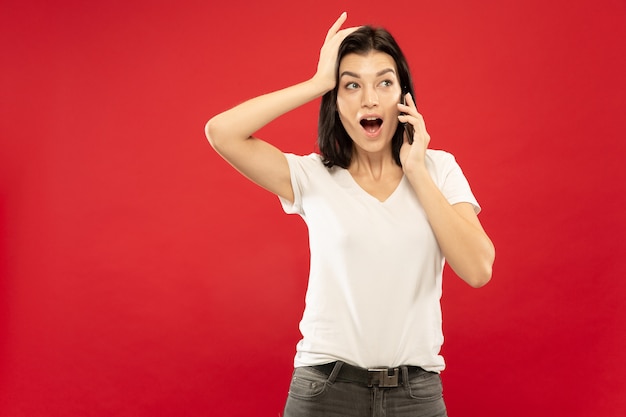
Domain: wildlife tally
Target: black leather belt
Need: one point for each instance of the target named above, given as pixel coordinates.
(379, 377)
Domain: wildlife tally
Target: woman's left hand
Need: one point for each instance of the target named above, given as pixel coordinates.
(461, 238)
(413, 155)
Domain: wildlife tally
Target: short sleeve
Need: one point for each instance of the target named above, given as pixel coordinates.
(300, 168)
(453, 183)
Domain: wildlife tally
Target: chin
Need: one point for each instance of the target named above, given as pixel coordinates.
(373, 146)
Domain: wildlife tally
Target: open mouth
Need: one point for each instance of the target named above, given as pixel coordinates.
(371, 124)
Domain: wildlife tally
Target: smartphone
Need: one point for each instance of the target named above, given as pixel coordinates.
(408, 127)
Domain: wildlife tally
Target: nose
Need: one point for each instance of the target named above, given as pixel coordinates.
(370, 98)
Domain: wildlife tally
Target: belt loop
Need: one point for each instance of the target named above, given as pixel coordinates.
(405, 375)
(335, 372)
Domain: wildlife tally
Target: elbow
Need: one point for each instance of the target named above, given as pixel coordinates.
(480, 278)
(216, 134)
(476, 276)
(210, 132)
(481, 274)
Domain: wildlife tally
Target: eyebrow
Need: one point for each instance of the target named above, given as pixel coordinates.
(355, 75)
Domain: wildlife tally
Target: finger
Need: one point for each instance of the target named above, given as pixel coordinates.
(403, 108)
(411, 109)
(409, 101)
(415, 120)
(335, 27)
(408, 105)
(418, 118)
(345, 32)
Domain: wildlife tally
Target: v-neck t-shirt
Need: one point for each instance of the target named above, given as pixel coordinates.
(374, 290)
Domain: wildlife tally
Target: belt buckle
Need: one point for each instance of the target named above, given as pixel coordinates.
(383, 377)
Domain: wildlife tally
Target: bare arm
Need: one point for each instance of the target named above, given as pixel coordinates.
(462, 239)
(231, 132)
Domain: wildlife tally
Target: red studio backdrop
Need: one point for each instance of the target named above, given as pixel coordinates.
(141, 276)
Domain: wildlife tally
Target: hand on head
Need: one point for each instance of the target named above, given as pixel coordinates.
(326, 66)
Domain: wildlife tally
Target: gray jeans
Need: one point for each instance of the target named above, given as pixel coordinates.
(314, 393)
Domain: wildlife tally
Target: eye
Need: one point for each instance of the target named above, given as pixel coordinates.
(352, 85)
(386, 83)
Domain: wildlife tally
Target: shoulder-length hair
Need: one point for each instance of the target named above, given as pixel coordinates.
(334, 143)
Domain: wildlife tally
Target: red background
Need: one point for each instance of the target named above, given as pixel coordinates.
(140, 276)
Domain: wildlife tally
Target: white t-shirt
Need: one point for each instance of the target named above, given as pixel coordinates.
(374, 290)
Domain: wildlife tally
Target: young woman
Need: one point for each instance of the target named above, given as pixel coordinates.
(383, 212)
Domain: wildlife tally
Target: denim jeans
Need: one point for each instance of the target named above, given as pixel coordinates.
(313, 393)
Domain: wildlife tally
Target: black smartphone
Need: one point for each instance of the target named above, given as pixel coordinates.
(408, 127)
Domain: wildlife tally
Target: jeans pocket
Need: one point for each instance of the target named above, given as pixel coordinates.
(307, 383)
(425, 387)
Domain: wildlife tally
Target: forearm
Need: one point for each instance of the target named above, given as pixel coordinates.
(242, 121)
(463, 242)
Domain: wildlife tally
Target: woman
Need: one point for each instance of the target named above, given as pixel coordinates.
(383, 212)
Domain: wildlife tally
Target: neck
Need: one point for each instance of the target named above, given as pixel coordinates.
(373, 165)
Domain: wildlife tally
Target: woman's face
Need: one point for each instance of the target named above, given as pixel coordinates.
(367, 97)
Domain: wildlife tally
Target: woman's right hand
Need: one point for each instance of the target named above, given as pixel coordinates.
(326, 66)
(231, 133)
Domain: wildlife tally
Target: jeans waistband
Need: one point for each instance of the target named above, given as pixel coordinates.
(380, 377)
